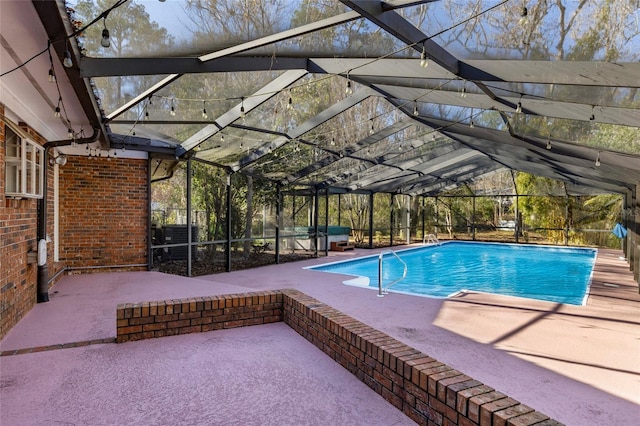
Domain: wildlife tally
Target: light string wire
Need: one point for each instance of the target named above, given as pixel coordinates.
(60, 102)
(319, 80)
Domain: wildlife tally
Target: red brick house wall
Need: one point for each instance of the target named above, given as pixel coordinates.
(18, 235)
(103, 212)
(102, 223)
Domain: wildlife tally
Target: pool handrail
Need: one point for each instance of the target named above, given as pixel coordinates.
(381, 291)
(430, 239)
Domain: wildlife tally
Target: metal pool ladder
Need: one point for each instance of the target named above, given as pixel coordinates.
(381, 291)
(430, 239)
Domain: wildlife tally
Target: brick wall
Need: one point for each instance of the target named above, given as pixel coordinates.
(137, 321)
(103, 222)
(18, 235)
(103, 213)
(429, 392)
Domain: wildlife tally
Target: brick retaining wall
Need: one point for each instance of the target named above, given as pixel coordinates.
(427, 391)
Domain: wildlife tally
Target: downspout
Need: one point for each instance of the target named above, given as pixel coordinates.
(43, 269)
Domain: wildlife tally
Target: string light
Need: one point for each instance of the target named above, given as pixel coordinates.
(372, 129)
(598, 160)
(592, 117)
(549, 142)
(519, 106)
(173, 109)
(105, 42)
(290, 102)
(524, 20)
(348, 90)
(424, 61)
(471, 125)
(204, 110)
(56, 112)
(242, 113)
(70, 133)
(463, 92)
(415, 108)
(67, 62)
(52, 75)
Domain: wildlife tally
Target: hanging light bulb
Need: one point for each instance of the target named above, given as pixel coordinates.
(348, 90)
(598, 160)
(463, 92)
(592, 117)
(471, 120)
(173, 109)
(242, 113)
(424, 61)
(70, 133)
(519, 106)
(372, 129)
(204, 110)
(333, 141)
(290, 103)
(222, 138)
(67, 62)
(549, 143)
(524, 20)
(146, 112)
(105, 42)
(415, 108)
(56, 112)
(52, 75)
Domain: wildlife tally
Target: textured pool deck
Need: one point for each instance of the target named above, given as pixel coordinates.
(577, 364)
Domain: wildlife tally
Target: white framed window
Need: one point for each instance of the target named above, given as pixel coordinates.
(24, 161)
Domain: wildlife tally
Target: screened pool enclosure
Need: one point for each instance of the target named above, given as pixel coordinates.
(275, 127)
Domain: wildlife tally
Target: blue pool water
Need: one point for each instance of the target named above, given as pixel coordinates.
(555, 274)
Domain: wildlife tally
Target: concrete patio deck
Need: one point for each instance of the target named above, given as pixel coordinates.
(577, 364)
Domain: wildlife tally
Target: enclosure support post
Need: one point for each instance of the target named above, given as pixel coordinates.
(408, 218)
(566, 220)
(473, 218)
(149, 227)
(391, 220)
(437, 217)
(278, 220)
(228, 218)
(423, 228)
(517, 226)
(326, 222)
(517, 221)
(371, 220)
(189, 242)
(315, 222)
(634, 255)
(626, 205)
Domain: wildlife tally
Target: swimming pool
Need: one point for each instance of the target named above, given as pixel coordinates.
(554, 274)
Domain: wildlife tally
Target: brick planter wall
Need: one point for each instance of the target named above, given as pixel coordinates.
(136, 321)
(427, 391)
